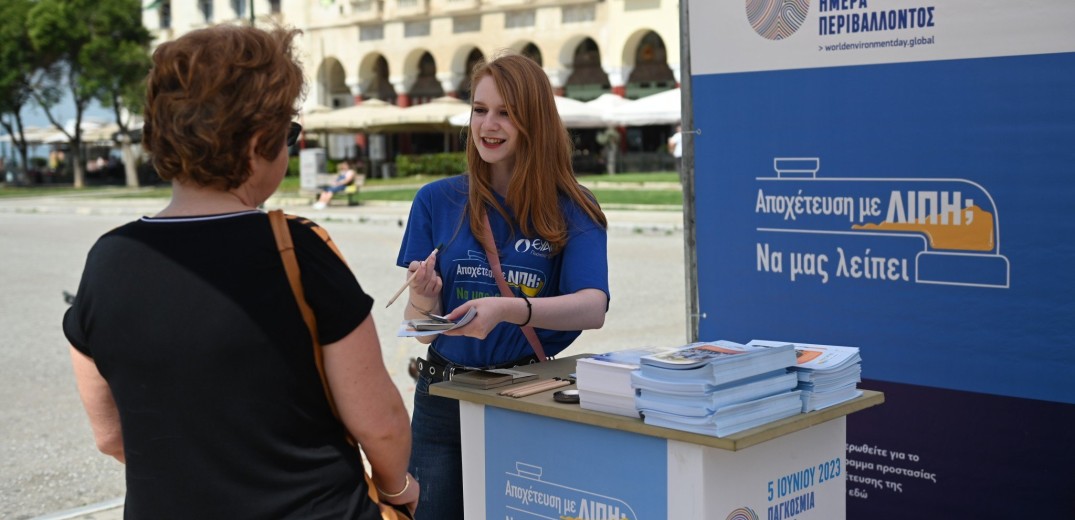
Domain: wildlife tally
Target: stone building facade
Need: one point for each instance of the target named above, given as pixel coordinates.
(408, 52)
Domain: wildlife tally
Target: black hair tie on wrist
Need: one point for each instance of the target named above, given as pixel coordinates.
(529, 309)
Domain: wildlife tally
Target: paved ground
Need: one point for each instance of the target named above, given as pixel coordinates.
(49, 468)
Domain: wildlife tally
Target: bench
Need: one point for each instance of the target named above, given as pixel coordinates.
(351, 191)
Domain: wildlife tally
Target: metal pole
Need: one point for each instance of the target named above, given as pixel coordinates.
(690, 246)
(251, 12)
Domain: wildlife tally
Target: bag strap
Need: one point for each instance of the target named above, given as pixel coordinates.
(498, 274)
(291, 264)
(294, 278)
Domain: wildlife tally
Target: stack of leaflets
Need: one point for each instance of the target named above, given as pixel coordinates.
(717, 388)
(604, 380)
(827, 374)
(434, 325)
(730, 419)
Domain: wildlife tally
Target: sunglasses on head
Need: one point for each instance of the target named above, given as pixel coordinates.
(293, 132)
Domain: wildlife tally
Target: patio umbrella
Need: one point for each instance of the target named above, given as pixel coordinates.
(605, 102)
(577, 114)
(662, 108)
(574, 114)
(351, 119)
(461, 119)
(315, 109)
(34, 135)
(428, 117)
(99, 134)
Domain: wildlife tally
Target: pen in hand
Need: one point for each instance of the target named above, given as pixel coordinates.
(432, 256)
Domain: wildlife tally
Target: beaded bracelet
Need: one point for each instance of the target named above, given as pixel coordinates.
(529, 310)
(406, 486)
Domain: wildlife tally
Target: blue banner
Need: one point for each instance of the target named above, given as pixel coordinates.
(865, 179)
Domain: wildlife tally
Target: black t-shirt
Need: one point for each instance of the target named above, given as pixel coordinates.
(194, 326)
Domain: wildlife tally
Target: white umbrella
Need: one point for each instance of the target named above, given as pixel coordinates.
(605, 102)
(574, 114)
(354, 118)
(427, 117)
(462, 119)
(99, 134)
(662, 108)
(34, 135)
(577, 114)
(314, 109)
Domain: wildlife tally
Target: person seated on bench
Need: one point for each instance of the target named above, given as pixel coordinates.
(346, 176)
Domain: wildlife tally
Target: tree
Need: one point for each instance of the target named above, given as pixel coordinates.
(17, 67)
(117, 70)
(87, 47)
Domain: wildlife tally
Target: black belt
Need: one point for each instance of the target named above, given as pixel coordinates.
(437, 369)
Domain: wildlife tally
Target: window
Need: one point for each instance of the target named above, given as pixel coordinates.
(165, 13)
(578, 13)
(518, 19)
(207, 10)
(465, 24)
(415, 29)
(274, 6)
(239, 6)
(369, 33)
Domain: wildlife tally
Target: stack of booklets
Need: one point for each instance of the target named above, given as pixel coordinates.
(604, 380)
(717, 388)
(827, 374)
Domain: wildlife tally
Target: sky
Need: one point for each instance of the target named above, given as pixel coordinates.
(32, 115)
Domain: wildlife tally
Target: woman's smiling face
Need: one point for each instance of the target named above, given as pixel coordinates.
(495, 135)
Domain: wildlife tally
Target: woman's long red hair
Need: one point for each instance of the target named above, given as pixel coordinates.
(542, 156)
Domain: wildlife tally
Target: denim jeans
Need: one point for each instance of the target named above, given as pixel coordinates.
(436, 459)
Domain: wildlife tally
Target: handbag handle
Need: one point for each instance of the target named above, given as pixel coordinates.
(291, 265)
(294, 278)
(498, 274)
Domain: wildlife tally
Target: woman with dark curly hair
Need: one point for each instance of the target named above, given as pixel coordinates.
(190, 353)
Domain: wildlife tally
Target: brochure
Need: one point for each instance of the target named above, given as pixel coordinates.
(701, 404)
(698, 354)
(730, 419)
(717, 363)
(433, 326)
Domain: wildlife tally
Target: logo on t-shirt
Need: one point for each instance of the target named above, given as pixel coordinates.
(474, 278)
(534, 246)
(529, 281)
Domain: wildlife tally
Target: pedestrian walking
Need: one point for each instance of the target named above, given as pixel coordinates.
(675, 147)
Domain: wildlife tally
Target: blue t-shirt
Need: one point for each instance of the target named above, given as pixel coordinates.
(438, 216)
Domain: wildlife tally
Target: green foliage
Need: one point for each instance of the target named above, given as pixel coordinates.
(100, 45)
(16, 57)
(98, 49)
(431, 164)
(17, 64)
(293, 166)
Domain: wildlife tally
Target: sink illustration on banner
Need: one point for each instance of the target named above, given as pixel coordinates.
(536, 498)
(955, 220)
